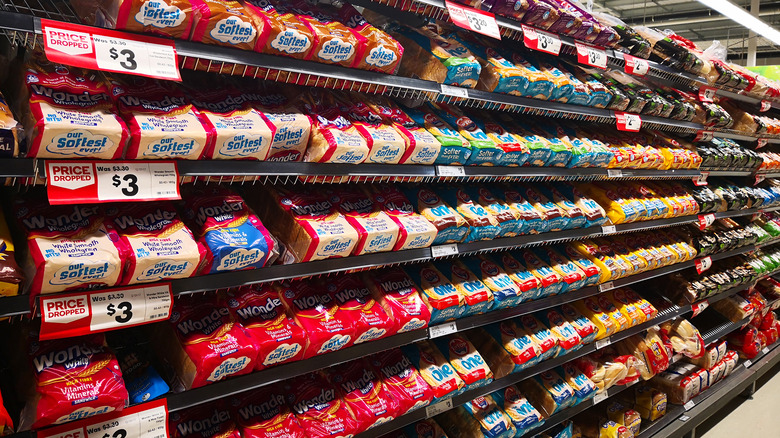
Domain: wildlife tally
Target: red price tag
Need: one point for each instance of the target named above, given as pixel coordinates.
(540, 40)
(761, 142)
(765, 105)
(81, 313)
(636, 66)
(701, 180)
(473, 19)
(705, 220)
(628, 122)
(110, 50)
(704, 136)
(699, 307)
(79, 182)
(590, 55)
(145, 420)
(706, 94)
(703, 264)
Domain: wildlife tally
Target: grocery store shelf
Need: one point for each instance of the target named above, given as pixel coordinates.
(716, 172)
(649, 429)
(722, 330)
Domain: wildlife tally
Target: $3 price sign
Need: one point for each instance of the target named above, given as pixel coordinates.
(540, 40)
(474, 19)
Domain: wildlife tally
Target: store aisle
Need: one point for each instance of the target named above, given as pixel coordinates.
(757, 416)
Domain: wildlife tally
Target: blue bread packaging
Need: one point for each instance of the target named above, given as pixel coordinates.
(455, 150)
(506, 293)
(451, 226)
(482, 225)
(438, 293)
(523, 415)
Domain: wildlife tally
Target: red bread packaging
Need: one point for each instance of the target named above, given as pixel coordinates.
(327, 328)
(383, 53)
(204, 421)
(415, 231)
(401, 379)
(400, 297)
(376, 231)
(364, 393)
(288, 35)
(74, 378)
(278, 337)
(265, 414)
(6, 424)
(319, 408)
(354, 299)
(208, 344)
(226, 23)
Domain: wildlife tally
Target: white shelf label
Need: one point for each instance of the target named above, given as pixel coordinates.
(688, 406)
(601, 343)
(473, 19)
(450, 171)
(636, 66)
(444, 250)
(145, 420)
(438, 408)
(748, 363)
(615, 173)
(765, 350)
(684, 418)
(606, 286)
(540, 40)
(449, 90)
(701, 180)
(440, 330)
(598, 398)
(628, 122)
(590, 55)
(608, 229)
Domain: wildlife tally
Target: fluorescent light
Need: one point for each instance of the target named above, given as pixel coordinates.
(743, 17)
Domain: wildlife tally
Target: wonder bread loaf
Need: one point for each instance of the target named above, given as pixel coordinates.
(334, 139)
(377, 231)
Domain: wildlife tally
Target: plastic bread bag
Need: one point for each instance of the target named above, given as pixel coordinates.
(518, 346)
(484, 150)
(493, 421)
(506, 293)
(685, 338)
(477, 298)
(573, 277)
(551, 283)
(603, 373)
(617, 208)
(605, 247)
(540, 85)
(415, 231)
(454, 150)
(568, 338)
(377, 232)
(498, 74)
(540, 335)
(434, 369)
(509, 222)
(626, 306)
(680, 382)
(427, 428)
(386, 143)
(583, 388)
(561, 150)
(527, 282)
(634, 258)
(451, 226)
(735, 308)
(610, 429)
(538, 148)
(650, 353)
(548, 392)
(521, 412)
(552, 215)
(580, 93)
(437, 292)
(353, 298)
(401, 379)
(621, 322)
(465, 359)
(586, 329)
(421, 146)
(649, 402)
(575, 215)
(590, 308)
(608, 268)
(482, 224)
(515, 148)
(531, 219)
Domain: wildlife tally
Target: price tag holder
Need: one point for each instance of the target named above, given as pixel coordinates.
(684, 418)
(765, 350)
(109, 50)
(598, 398)
(84, 182)
(761, 142)
(438, 408)
(748, 363)
(705, 220)
(145, 420)
(628, 122)
(703, 264)
(449, 90)
(81, 313)
(591, 55)
(759, 178)
(701, 180)
(615, 173)
(765, 105)
(699, 307)
(601, 343)
(540, 40)
(474, 19)
(706, 94)
(450, 171)
(608, 229)
(440, 330)
(704, 136)
(689, 405)
(444, 250)
(606, 286)
(636, 66)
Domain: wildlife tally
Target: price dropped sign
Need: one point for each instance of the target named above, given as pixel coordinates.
(590, 55)
(82, 182)
(540, 40)
(81, 313)
(636, 66)
(109, 50)
(474, 19)
(145, 420)
(628, 122)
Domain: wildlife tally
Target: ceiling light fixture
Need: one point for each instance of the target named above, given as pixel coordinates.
(743, 17)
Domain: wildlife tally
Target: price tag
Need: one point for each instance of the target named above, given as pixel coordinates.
(606, 286)
(684, 418)
(600, 397)
(450, 171)
(444, 250)
(78, 182)
(540, 40)
(81, 313)
(701, 180)
(440, 330)
(748, 363)
(145, 420)
(761, 142)
(759, 178)
(765, 105)
(590, 55)
(473, 19)
(608, 229)
(765, 350)
(705, 220)
(601, 343)
(689, 405)
(699, 307)
(677, 357)
(615, 173)
(706, 94)
(628, 122)
(449, 90)
(110, 50)
(704, 136)
(703, 264)
(636, 66)
(438, 408)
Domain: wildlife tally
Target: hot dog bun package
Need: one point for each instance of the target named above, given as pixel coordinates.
(477, 298)
(401, 379)
(306, 222)
(233, 235)
(414, 230)
(70, 113)
(376, 231)
(265, 414)
(334, 139)
(203, 344)
(69, 247)
(523, 415)
(369, 319)
(451, 225)
(362, 390)
(320, 408)
(327, 328)
(163, 123)
(548, 392)
(73, 378)
(506, 293)
(400, 297)
(442, 298)
(466, 360)
(271, 326)
(434, 369)
(158, 244)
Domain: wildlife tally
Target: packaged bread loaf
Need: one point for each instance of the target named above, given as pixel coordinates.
(353, 298)
(532, 220)
(401, 379)
(67, 113)
(506, 293)
(217, 416)
(320, 408)
(584, 327)
(376, 231)
(528, 283)
(540, 335)
(385, 142)
(306, 222)
(482, 225)
(363, 392)
(568, 338)
(484, 150)
(400, 297)
(498, 74)
(551, 283)
(523, 415)
(421, 147)
(382, 53)
(442, 298)
(434, 369)
(431, 57)
(516, 151)
(10, 273)
(583, 388)
(466, 360)
(477, 298)
(414, 230)
(454, 149)
(508, 221)
(334, 139)
(680, 383)
(573, 278)
(338, 43)
(287, 34)
(451, 226)
(225, 23)
(549, 392)
(493, 421)
(602, 371)
(260, 413)
(605, 325)
(518, 345)
(649, 402)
